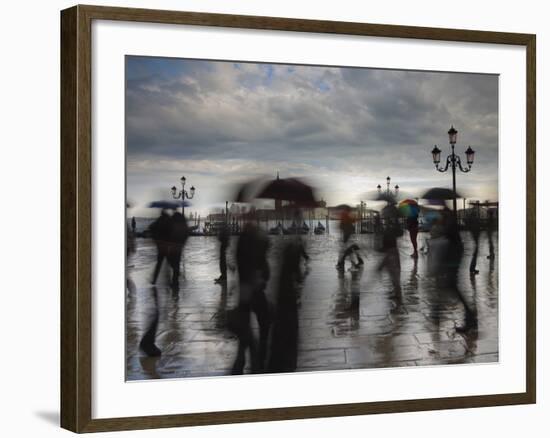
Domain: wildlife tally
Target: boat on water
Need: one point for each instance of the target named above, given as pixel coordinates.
(319, 228)
(277, 230)
(297, 229)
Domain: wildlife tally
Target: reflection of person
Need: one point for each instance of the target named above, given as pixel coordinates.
(147, 343)
(412, 226)
(254, 273)
(284, 340)
(160, 232)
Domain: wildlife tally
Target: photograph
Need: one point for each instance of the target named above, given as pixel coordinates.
(285, 218)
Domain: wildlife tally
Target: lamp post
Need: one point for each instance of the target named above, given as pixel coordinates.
(183, 194)
(453, 161)
(388, 190)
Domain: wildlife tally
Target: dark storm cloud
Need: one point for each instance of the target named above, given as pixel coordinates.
(353, 120)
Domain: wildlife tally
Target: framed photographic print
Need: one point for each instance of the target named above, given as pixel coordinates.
(269, 218)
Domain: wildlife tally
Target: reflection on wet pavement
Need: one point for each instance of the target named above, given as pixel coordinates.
(347, 320)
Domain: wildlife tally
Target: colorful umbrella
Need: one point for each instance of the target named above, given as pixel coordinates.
(409, 208)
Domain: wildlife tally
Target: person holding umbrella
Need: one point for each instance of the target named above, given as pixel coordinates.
(391, 261)
(160, 232)
(223, 239)
(410, 209)
(346, 227)
(254, 273)
(451, 250)
(178, 236)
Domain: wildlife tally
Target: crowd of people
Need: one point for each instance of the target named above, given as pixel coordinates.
(274, 349)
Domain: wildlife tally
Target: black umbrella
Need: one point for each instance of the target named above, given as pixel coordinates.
(440, 193)
(289, 189)
(170, 205)
(247, 191)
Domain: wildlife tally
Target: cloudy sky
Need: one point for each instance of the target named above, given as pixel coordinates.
(345, 129)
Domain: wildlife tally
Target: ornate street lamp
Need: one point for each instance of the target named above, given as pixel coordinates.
(388, 190)
(436, 154)
(452, 135)
(470, 156)
(453, 160)
(183, 194)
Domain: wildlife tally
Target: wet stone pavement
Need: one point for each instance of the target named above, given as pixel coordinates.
(346, 321)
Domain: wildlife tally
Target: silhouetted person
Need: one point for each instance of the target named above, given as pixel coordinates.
(474, 227)
(254, 273)
(130, 249)
(223, 238)
(284, 340)
(178, 236)
(412, 226)
(161, 230)
(147, 343)
(130, 242)
(451, 259)
(491, 225)
(133, 225)
(391, 261)
(346, 227)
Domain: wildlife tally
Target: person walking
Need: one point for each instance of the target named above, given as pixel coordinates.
(474, 227)
(161, 230)
(391, 260)
(178, 236)
(412, 227)
(346, 227)
(451, 259)
(254, 273)
(223, 239)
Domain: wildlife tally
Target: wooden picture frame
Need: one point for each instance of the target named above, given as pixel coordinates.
(76, 217)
